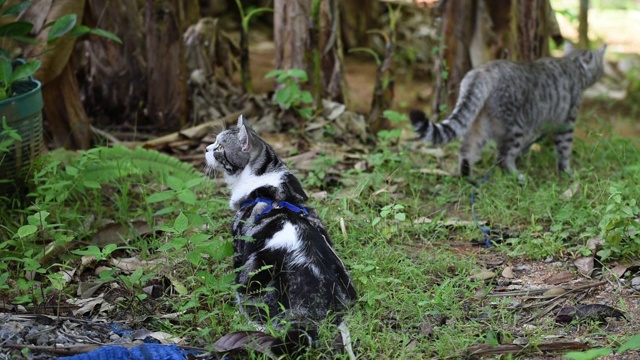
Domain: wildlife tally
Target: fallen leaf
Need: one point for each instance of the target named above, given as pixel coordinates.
(594, 244)
(242, 340)
(560, 278)
(131, 264)
(584, 265)
(587, 312)
(508, 272)
(620, 270)
(572, 190)
(433, 172)
(483, 275)
(86, 289)
(115, 233)
(553, 292)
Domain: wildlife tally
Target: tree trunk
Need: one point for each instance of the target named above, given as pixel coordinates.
(457, 28)
(68, 123)
(141, 82)
(476, 31)
(114, 76)
(308, 38)
(583, 27)
(166, 78)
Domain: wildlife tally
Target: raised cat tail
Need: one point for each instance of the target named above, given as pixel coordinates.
(474, 91)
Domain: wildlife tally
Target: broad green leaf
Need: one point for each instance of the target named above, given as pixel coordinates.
(106, 34)
(27, 230)
(181, 224)
(632, 344)
(589, 354)
(15, 9)
(187, 196)
(400, 216)
(305, 97)
(175, 183)
(92, 184)
(17, 28)
(6, 72)
(273, 73)
(160, 196)
(26, 70)
(299, 74)
(5, 55)
(194, 182)
(62, 26)
(80, 30)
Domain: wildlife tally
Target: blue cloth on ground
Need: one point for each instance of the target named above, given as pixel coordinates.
(141, 352)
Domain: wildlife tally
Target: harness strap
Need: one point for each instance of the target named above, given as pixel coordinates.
(273, 204)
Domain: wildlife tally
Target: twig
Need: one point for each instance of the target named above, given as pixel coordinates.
(105, 135)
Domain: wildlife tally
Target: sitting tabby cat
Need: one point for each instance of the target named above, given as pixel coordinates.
(288, 270)
(515, 103)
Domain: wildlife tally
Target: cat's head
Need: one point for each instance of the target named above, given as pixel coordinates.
(592, 61)
(234, 149)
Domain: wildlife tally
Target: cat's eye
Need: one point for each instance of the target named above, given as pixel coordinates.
(218, 148)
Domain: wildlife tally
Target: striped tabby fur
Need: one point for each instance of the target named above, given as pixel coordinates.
(287, 268)
(515, 103)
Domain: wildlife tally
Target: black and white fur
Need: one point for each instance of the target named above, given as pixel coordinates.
(514, 103)
(287, 269)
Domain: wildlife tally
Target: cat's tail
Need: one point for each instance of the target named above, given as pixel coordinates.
(475, 88)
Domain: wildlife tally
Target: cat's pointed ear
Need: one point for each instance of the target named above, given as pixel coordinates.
(568, 47)
(602, 49)
(244, 135)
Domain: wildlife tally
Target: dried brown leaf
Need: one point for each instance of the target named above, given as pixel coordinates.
(114, 233)
(560, 278)
(584, 265)
(245, 340)
(620, 270)
(508, 272)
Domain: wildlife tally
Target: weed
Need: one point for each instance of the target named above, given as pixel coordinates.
(289, 94)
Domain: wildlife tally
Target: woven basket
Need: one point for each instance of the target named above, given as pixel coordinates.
(22, 113)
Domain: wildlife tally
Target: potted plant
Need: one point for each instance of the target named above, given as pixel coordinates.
(20, 94)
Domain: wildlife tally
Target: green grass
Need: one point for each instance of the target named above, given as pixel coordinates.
(407, 272)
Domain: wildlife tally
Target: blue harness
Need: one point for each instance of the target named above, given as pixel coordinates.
(272, 204)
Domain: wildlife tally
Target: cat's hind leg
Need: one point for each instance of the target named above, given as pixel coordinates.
(471, 147)
(508, 151)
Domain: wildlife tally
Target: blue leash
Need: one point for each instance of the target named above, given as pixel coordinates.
(485, 230)
(273, 204)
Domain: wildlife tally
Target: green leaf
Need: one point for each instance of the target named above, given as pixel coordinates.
(175, 183)
(194, 182)
(80, 30)
(26, 230)
(3, 94)
(187, 196)
(632, 344)
(92, 184)
(400, 216)
(15, 9)
(589, 354)
(273, 73)
(26, 70)
(106, 34)
(17, 28)
(160, 196)
(299, 74)
(305, 97)
(62, 26)
(6, 73)
(181, 224)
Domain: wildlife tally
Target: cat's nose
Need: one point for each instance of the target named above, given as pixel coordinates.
(210, 147)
